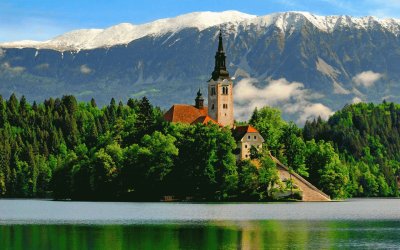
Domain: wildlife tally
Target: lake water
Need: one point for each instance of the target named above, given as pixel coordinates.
(353, 224)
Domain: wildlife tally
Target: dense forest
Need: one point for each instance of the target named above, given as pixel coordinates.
(68, 150)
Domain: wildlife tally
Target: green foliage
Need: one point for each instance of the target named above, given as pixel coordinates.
(269, 123)
(367, 138)
(256, 179)
(79, 151)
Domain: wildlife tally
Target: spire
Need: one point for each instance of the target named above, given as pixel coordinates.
(199, 100)
(220, 45)
(220, 63)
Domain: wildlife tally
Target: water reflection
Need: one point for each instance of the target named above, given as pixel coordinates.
(207, 235)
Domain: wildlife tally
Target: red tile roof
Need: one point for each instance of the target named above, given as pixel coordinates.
(204, 120)
(189, 114)
(240, 131)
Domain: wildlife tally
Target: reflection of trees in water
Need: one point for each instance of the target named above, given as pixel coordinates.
(207, 235)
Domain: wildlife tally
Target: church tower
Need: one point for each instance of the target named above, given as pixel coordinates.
(220, 90)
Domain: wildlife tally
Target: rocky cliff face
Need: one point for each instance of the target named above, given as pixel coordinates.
(307, 65)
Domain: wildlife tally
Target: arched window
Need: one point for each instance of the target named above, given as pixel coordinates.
(212, 90)
(224, 90)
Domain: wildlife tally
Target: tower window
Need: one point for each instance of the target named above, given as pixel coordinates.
(225, 106)
(225, 90)
(212, 106)
(213, 90)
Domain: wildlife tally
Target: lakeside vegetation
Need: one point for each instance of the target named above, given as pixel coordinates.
(128, 152)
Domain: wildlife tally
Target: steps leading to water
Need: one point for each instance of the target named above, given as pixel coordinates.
(310, 192)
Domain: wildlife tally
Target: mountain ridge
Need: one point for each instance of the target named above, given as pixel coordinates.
(124, 33)
(283, 60)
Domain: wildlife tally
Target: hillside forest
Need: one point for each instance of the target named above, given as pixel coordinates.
(65, 149)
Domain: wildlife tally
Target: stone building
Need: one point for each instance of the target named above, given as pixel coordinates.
(220, 90)
(246, 137)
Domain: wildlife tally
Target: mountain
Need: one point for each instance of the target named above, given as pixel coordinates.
(307, 65)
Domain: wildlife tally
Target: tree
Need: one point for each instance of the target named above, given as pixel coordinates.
(269, 123)
(326, 169)
(158, 151)
(294, 149)
(93, 103)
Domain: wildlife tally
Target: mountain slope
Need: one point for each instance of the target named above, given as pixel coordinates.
(307, 65)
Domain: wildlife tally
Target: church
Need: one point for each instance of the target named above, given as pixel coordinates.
(220, 109)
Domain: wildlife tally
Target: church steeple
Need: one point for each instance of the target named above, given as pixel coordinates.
(199, 100)
(220, 71)
(220, 90)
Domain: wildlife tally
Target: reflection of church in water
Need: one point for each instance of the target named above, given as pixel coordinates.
(220, 108)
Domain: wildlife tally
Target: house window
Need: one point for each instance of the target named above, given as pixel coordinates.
(245, 146)
(255, 137)
(249, 137)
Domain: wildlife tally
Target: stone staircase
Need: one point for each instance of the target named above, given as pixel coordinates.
(310, 192)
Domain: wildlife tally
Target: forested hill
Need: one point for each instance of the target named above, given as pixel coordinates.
(122, 151)
(69, 150)
(368, 138)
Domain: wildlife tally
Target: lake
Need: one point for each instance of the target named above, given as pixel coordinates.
(352, 224)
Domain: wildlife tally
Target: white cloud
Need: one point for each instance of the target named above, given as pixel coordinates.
(356, 100)
(313, 110)
(290, 97)
(367, 78)
(85, 69)
(17, 69)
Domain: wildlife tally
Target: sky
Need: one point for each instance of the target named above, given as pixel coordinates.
(44, 19)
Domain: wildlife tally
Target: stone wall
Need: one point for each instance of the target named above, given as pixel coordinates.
(310, 192)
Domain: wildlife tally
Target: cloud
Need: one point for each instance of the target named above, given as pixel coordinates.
(291, 97)
(85, 69)
(43, 66)
(313, 110)
(17, 69)
(356, 100)
(367, 78)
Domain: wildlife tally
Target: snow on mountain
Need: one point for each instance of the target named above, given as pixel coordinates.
(125, 32)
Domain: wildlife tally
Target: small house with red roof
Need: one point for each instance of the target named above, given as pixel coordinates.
(220, 108)
(246, 137)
